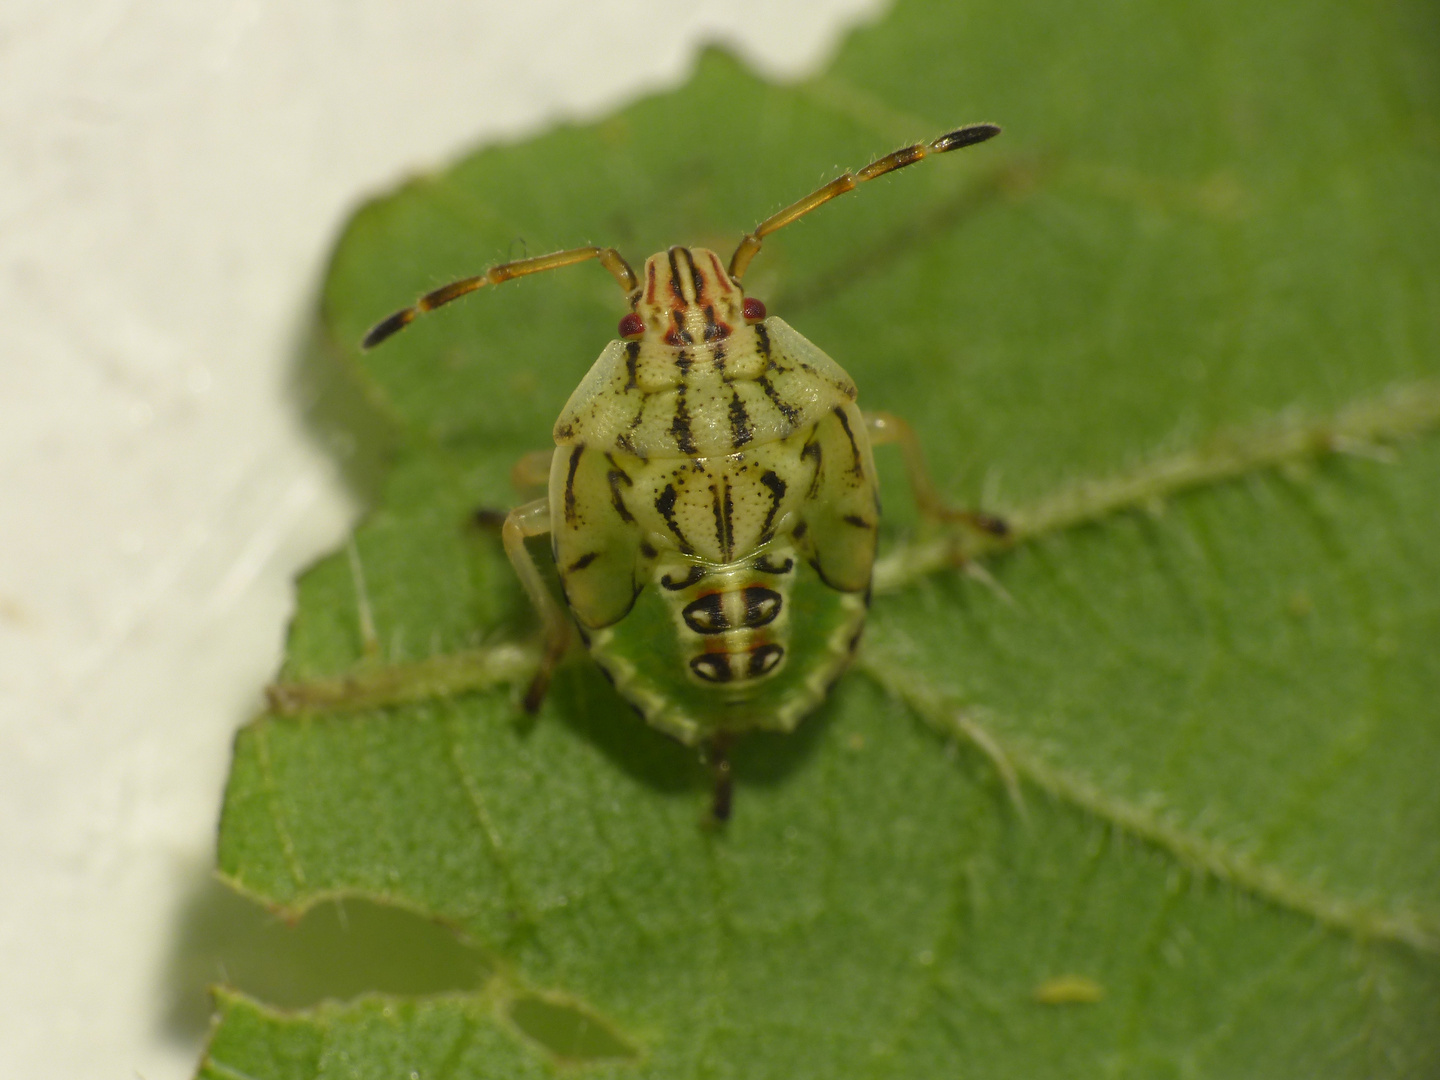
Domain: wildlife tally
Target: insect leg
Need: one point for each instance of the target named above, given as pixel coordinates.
(533, 519)
(885, 428)
(909, 155)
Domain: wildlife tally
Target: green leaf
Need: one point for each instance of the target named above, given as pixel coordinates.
(1149, 792)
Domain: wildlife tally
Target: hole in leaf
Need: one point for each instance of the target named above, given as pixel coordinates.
(338, 951)
(567, 1030)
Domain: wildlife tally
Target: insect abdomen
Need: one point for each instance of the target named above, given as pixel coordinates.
(753, 644)
(732, 622)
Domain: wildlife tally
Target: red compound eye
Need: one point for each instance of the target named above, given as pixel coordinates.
(752, 309)
(632, 326)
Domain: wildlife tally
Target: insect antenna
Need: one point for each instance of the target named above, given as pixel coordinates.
(750, 245)
(609, 258)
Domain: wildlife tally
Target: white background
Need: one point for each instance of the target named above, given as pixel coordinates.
(171, 176)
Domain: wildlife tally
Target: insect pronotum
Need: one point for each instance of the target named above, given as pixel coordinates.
(712, 505)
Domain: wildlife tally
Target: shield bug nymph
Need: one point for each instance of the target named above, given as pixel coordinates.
(712, 505)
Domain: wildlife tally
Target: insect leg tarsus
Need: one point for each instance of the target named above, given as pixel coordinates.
(533, 519)
(885, 427)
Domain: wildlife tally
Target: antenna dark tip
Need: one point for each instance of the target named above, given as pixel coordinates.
(386, 327)
(966, 136)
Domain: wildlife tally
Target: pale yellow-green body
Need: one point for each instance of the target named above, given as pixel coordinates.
(612, 427)
(690, 473)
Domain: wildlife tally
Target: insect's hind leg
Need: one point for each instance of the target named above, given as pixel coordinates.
(524, 522)
(885, 427)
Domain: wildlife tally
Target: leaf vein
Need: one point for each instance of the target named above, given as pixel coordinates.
(1418, 930)
(272, 801)
(1403, 412)
(476, 801)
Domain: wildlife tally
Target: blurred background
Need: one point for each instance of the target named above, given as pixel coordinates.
(171, 177)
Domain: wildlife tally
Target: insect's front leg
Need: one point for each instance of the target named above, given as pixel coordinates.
(885, 427)
(533, 519)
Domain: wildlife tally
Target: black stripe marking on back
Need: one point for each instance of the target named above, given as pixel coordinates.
(694, 577)
(680, 425)
(765, 566)
(571, 515)
(777, 492)
(812, 449)
(712, 328)
(697, 284)
(740, 430)
(722, 506)
(677, 290)
(696, 281)
(632, 365)
(787, 410)
(665, 507)
(729, 523)
(582, 562)
(858, 467)
(616, 476)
